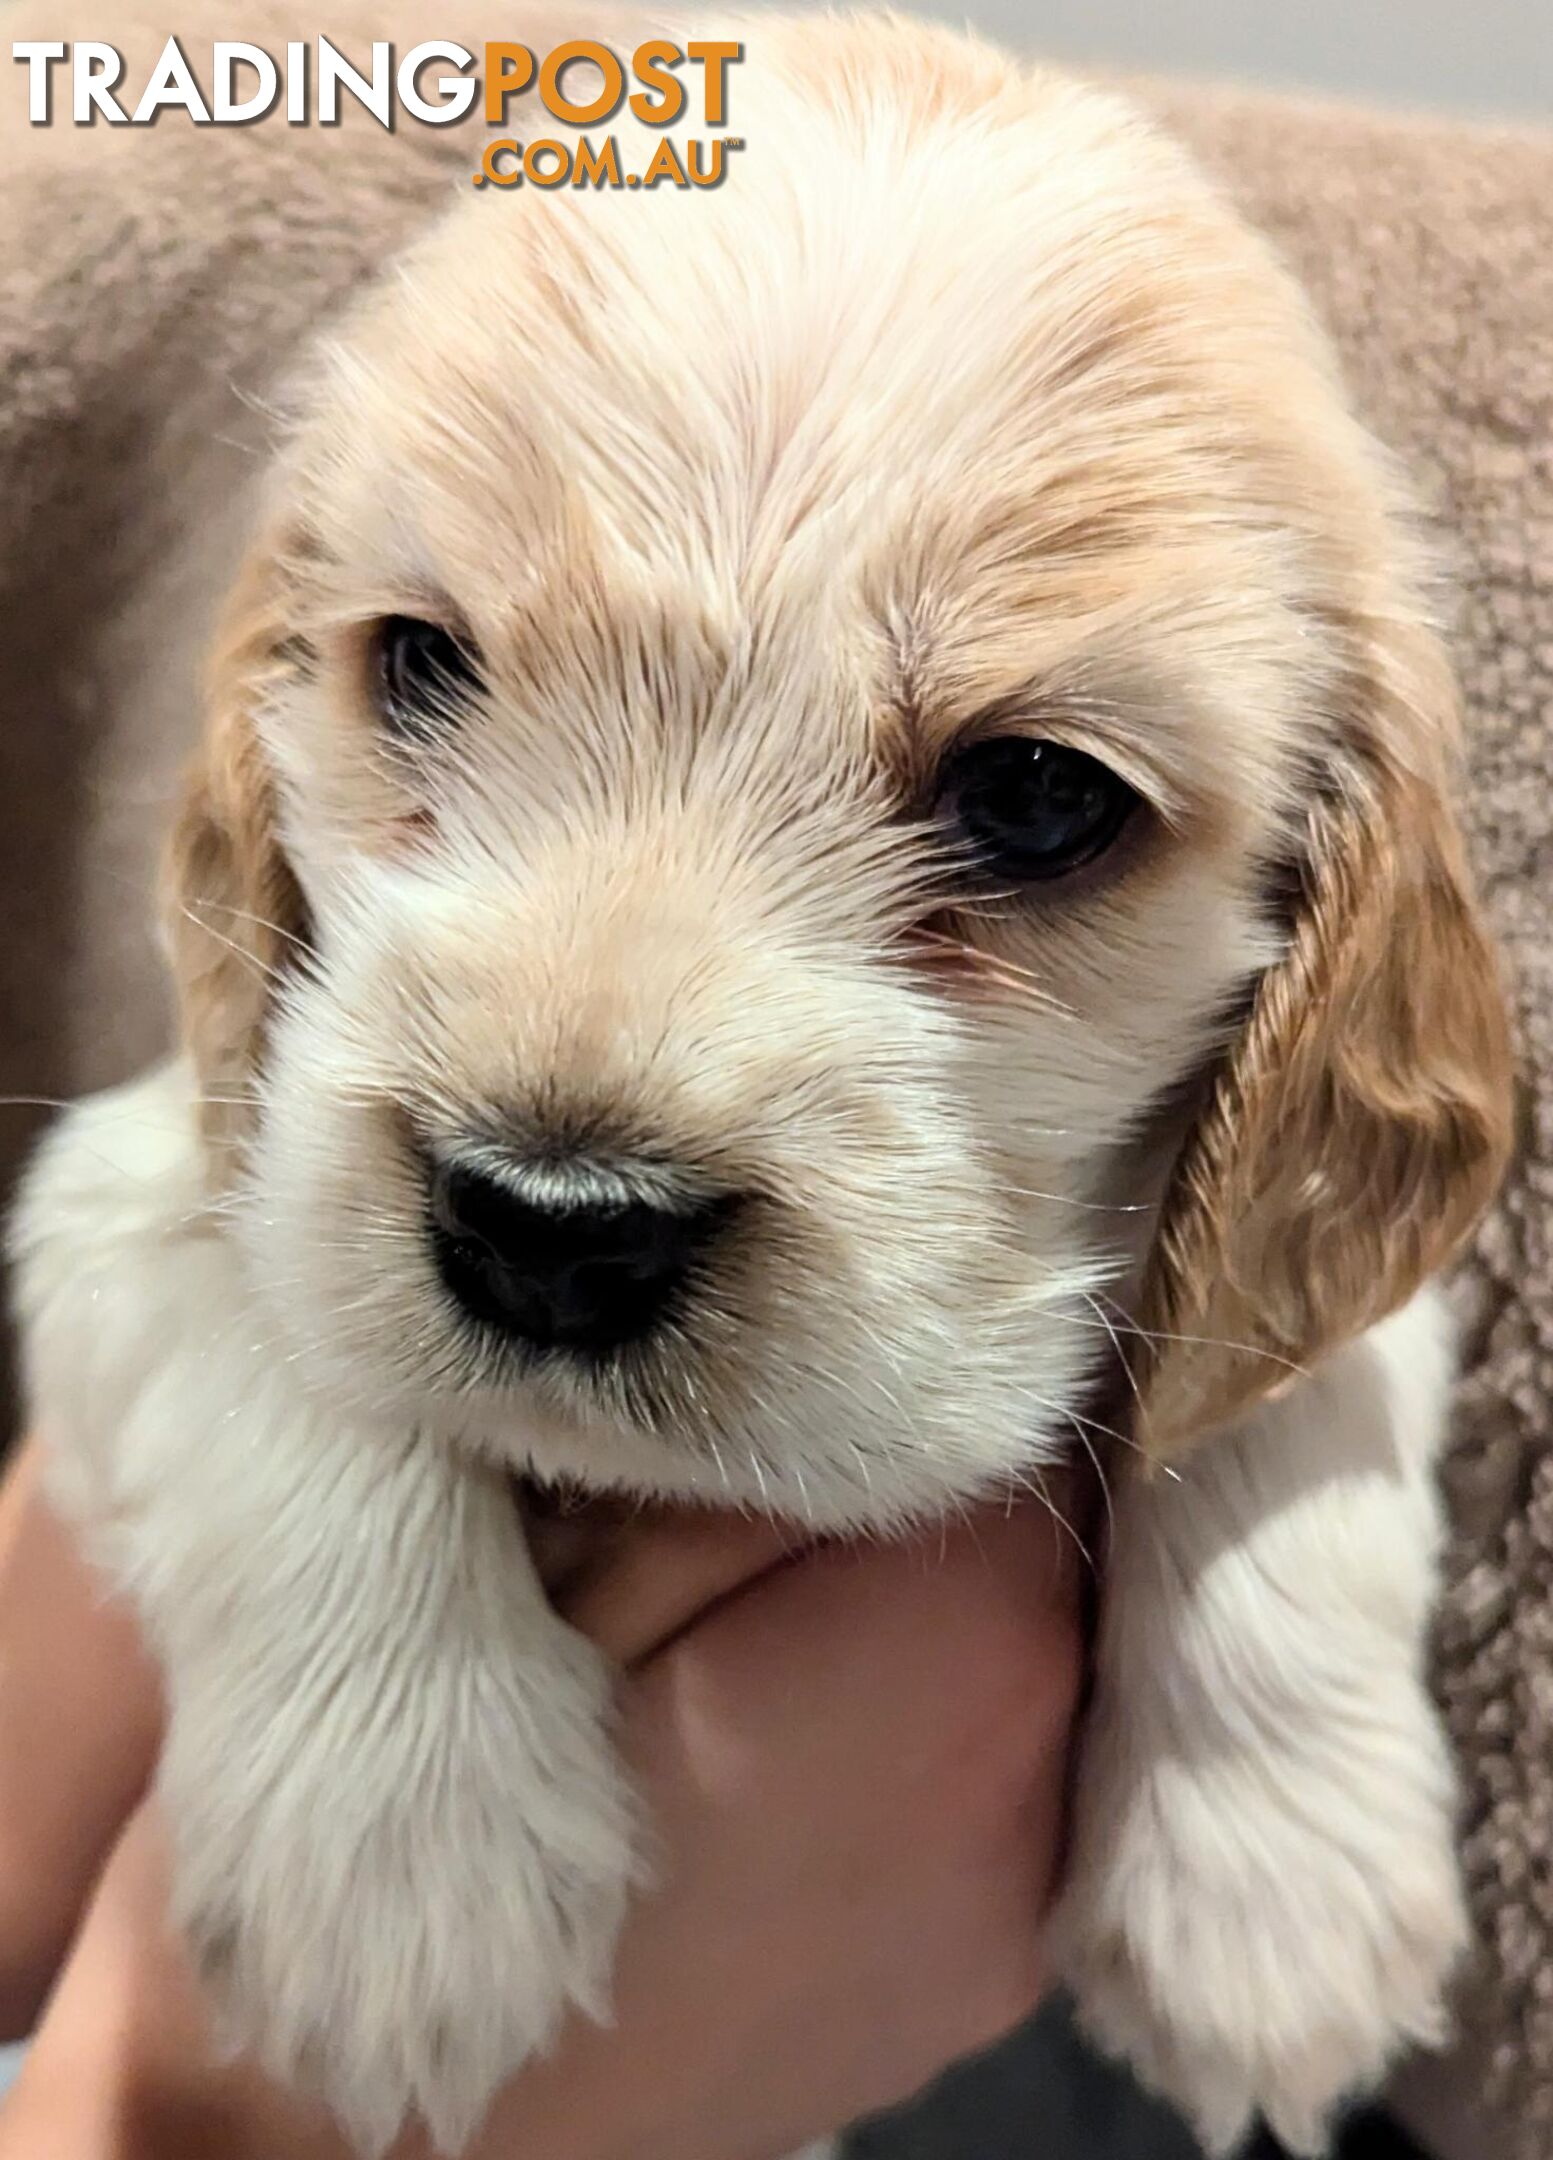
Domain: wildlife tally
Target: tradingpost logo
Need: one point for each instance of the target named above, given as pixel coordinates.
(582, 83)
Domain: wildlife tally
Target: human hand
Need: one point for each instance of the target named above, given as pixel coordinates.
(853, 1762)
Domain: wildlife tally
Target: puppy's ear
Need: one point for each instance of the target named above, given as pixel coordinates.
(1361, 1123)
(234, 913)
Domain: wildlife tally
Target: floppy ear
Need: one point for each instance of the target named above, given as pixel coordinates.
(234, 913)
(1362, 1121)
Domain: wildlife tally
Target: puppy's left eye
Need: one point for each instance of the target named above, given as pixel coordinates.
(420, 673)
(1033, 810)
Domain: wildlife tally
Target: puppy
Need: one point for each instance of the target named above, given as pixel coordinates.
(824, 819)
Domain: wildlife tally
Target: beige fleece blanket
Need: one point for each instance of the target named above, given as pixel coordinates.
(154, 284)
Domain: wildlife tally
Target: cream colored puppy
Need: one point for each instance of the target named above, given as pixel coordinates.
(824, 801)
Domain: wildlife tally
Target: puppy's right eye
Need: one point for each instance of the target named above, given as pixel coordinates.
(421, 675)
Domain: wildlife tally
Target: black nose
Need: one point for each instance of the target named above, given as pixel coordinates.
(561, 1262)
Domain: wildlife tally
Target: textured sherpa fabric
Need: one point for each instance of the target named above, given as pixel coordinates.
(1429, 252)
(154, 285)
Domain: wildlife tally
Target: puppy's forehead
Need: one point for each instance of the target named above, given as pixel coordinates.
(960, 374)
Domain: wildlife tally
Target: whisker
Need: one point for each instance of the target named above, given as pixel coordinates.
(1093, 1453)
(1209, 1342)
(1089, 1207)
(1116, 1341)
(249, 959)
(261, 922)
(1077, 1417)
(1033, 1483)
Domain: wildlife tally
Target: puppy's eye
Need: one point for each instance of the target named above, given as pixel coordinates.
(1033, 810)
(420, 673)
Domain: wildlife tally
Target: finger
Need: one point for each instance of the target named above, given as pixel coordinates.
(80, 1718)
(124, 2064)
(636, 1577)
(820, 1752)
(855, 1771)
(663, 1570)
(977, 1618)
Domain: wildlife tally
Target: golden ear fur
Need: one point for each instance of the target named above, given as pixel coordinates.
(234, 912)
(1362, 1122)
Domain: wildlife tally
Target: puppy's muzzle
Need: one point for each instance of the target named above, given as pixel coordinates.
(558, 1257)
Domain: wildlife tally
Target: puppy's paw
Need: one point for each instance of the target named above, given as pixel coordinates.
(393, 1921)
(1255, 1952)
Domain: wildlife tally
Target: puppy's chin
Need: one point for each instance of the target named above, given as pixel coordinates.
(851, 1436)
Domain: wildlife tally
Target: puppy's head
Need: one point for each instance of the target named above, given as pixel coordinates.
(807, 774)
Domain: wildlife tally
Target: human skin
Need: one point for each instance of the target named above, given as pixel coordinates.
(853, 1764)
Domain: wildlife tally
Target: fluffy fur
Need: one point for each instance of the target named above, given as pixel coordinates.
(965, 404)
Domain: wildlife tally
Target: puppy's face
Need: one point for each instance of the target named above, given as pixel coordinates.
(782, 734)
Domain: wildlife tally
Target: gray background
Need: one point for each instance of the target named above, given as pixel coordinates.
(1486, 57)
